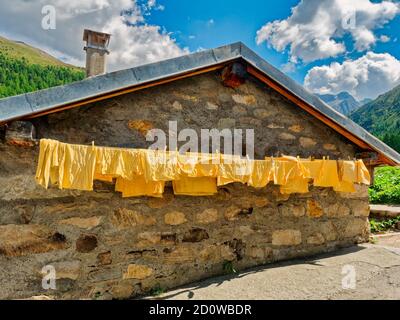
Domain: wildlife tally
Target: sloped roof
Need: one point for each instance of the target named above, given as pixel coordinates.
(115, 83)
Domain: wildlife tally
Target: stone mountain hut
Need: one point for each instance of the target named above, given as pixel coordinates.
(106, 244)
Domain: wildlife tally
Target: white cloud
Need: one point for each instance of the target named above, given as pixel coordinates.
(135, 45)
(315, 28)
(384, 38)
(365, 77)
(133, 41)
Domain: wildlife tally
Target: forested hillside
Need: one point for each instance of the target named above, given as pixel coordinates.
(18, 76)
(24, 69)
(382, 117)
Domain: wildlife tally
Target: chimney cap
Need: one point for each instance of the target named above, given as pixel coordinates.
(99, 34)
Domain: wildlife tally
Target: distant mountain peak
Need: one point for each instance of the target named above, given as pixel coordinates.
(343, 102)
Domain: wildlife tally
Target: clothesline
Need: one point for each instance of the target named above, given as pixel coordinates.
(143, 172)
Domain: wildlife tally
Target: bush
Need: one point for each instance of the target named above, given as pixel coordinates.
(386, 188)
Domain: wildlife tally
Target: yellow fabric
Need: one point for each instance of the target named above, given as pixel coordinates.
(140, 172)
(233, 169)
(139, 187)
(295, 186)
(345, 186)
(199, 186)
(160, 165)
(328, 174)
(363, 175)
(260, 174)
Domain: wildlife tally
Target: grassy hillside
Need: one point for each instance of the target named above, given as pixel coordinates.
(24, 69)
(17, 50)
(382, 117)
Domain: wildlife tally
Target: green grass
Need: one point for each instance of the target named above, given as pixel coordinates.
(228, 267)
(382, 225)
(386, 188)
(157, 290)
(19, 50)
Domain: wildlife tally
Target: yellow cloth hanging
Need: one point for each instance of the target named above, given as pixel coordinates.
(295, 186)
(144, 172)
(328, 174)
(79, 166)
(139, 187)
(363, 175)
(233, 169)
(200, 186)
(160, 165)
(260, 173)
(116, 162)
(199, 165)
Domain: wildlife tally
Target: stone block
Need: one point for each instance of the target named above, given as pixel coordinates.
(216, 254)
(337, 210)
(195, 235)
(261, 113)
(239, 110)
(67, 269)
(357, 227)
(180, 254)
(143, 126)
(232, 213)
(124, 218)
(226, 123)
(136, 271)
(244, 99)
(292, 210)
(211, 106)
(307, 142)
(360, 208)
(86, 243)
(329, 147)
(316, 239)
(314, 209)
(329, 231)
(83, 223)
(297, 128)
(286, 237)
(286, 136)
(258, 252)
(207, 216)
(175, 218)
(104, 258)
(20, 240)
(122, 290)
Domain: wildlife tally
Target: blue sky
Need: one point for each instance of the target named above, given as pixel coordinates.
(232, 21)
(189, 22)
(306, 39)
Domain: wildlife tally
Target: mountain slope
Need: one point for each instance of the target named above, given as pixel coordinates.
(24, 69)
(343, 102)
(382, 117)
(18, 50)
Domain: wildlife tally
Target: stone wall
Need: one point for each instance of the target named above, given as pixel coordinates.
(103, 246)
